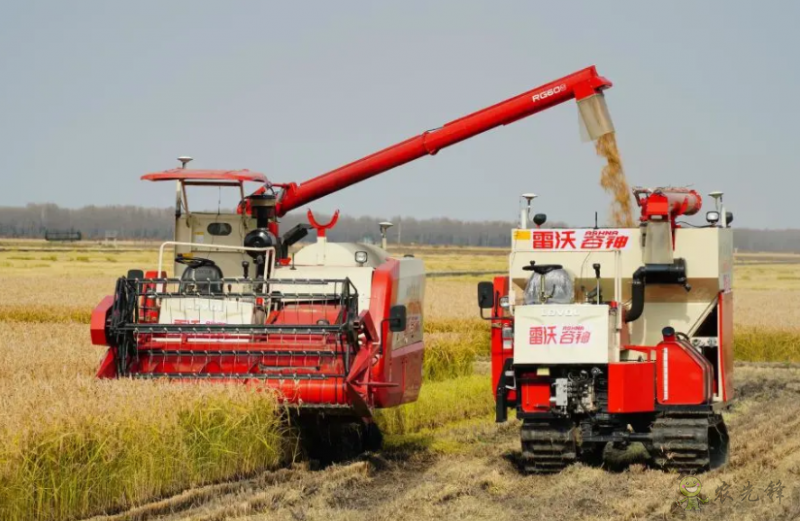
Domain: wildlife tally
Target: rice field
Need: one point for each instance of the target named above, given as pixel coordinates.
(72, 446)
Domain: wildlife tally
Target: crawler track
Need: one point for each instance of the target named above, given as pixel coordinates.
(689, 444)
(547, 447)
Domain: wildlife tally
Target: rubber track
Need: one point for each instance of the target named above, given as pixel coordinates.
(547, 448)
(681, 444)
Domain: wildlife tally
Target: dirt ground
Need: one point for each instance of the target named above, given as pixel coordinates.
(469, 471)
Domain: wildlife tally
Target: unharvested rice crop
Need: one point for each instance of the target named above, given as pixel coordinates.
(72, 446)
(453, 345)
(760, 344)
(440, 403)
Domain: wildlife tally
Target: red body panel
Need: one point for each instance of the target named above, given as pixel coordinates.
(672, 202)
(631, 387)
(725, 330)
(684, 376)
(535, 394)
(401, 367)
(502, 349)
(181, 174)
(384, 286)
(108, 367)
(98, 321)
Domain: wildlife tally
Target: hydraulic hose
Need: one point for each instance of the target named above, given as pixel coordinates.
(674, 273)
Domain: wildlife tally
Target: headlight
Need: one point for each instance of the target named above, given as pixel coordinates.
(361, 257)
(504, 302)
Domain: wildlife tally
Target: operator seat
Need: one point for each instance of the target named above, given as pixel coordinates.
(202, 270)
(558, 284)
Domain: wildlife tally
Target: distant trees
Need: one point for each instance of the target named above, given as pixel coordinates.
(137, 223)
(130, 222)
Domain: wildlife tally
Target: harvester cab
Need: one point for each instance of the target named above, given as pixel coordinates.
(335, 326)
(617, 335)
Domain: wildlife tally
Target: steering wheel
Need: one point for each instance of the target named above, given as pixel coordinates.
(193, 263)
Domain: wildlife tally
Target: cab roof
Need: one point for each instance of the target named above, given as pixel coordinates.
(183, 174)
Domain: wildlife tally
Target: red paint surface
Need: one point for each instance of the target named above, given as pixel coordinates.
(182, 174)
(97, 323)
(322, 228)
(725, 330)
(631, 387)
(499, 321)
(670, 203)
(535, 395)
(689, 374)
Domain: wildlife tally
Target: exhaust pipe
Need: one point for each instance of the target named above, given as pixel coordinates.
(595, 119)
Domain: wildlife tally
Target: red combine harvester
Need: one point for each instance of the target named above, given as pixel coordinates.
(618, 335)
(335, 328)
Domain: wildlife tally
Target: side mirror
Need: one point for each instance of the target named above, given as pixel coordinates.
(397, 318)
(485, 295)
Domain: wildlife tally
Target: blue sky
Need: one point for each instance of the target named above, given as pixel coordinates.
(95, 94)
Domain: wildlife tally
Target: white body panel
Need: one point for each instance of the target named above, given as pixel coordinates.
(410, 291)
(708, 253)
(360, 277)
(194, 310)
(194, 228)
(324, 253)
(564, 334)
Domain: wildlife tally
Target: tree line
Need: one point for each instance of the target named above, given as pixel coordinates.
(137, 223)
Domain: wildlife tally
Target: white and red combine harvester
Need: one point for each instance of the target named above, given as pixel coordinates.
(336, 327)
(607, 335)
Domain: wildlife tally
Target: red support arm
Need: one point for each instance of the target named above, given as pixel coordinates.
(578, 85)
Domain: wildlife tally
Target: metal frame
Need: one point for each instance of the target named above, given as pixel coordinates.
(248, 343)
(182, 199)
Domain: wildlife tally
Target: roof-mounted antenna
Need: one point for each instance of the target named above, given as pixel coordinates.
(595, 219)
(184, 160)
(385, 225)
(526, 211)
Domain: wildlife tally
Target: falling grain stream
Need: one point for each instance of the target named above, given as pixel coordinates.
(612, 179)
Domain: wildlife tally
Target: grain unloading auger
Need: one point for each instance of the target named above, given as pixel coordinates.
(338, 326)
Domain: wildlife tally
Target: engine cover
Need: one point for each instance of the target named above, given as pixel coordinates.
(551, 334)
